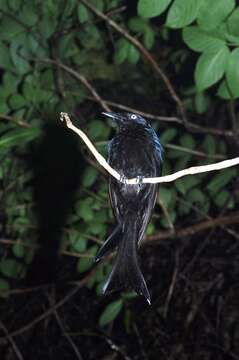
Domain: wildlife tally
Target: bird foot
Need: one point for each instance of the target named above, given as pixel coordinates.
(123, 179)
(140, 180)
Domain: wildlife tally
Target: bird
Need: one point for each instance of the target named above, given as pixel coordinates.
(135, 151)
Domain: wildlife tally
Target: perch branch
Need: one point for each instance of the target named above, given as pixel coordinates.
(162, 179)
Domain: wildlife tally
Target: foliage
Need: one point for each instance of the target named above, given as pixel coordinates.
(33, 91)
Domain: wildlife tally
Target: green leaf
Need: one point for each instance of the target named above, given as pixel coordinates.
(10, 268)
(110, 312)
(187, 141)
(89, 177)
(201, 102)
(233, 22)
(221, 198)
(220, 180)
(17, 101)
(5, 59)
(79, 245)
(137, 24)
(168, 135)
(214, 12)
(4, 287)
(183, 12)
(223, 91)
(133, 54)
(149, 38)
(209, 144)
(18, 137)
(201, 40)
(165, 195)
(83, 14)
(10, 28)
(232, 72)
(152, 8)
(121, 52)
(196, 196)
(18, 250)
(210, 68)
(85, 264)
(28, 15)
(85, 210)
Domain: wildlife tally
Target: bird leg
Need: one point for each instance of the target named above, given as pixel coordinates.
(123, 179)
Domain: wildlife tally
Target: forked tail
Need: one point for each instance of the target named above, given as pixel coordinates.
(126, 272)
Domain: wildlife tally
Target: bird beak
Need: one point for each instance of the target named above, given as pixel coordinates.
(114, 116)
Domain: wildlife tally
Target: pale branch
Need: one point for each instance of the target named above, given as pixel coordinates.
(162, 179)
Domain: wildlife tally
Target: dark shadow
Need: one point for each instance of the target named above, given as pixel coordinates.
(57, 165)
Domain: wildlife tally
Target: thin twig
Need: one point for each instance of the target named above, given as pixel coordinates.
(171, 119)
(36, 246)
(12, 342)
(192, 230)
(61, 326)
(79, 77)
(57, 305)
(162, 179)
(143, 51)
(19, 122)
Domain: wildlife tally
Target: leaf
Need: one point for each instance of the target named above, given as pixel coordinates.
(168, 135)
(165, 195)
(209, 144)
(152, 8)
(18, 250)
(79, 245)
(10, 28)
(220, 180)
(85, 209)
(210, 68)
(85, 264)
(149, 38)
(221, 198)
(17, 101)
(10, 268)
(137, 24)
(223, 91)
(18, 137)
(5, 59)
(133, 54)
(214, 12)
(232, 72)
(28, 15)
(233, 22)
(187, 141)
(196, 196)
(83, 14)
(201, 102)
(121, 52)
(89, 177)
(4, 287)
(201, 40)
(183, 12)
(110, 312)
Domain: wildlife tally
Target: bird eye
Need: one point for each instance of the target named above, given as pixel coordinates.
(133, 117)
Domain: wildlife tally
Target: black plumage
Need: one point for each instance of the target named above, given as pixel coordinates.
(135, 151)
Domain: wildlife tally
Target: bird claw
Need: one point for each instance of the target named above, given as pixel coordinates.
(140, 180)
(123, 179)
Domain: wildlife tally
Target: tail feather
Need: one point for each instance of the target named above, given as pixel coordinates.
(126, 272)
(110, 244)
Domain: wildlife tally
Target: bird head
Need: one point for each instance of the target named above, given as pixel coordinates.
(124, 119)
